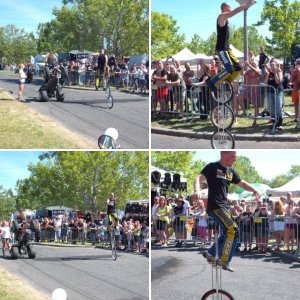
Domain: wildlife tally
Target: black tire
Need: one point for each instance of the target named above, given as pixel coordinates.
(222, 116)
(224, 92)
(14, 252)
(60, 97)
(31, 253)
(212, 294)
(222, 139)
(43, 95)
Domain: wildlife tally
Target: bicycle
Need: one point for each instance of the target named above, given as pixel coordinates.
(217, 293)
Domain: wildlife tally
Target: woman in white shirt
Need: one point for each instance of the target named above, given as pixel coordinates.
(22, 77)
(5, 235)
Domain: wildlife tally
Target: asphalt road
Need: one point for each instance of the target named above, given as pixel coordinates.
(85, 112)
(184, 274)
(85, 273)
(159, 141)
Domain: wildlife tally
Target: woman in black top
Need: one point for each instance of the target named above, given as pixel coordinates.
(273, 77)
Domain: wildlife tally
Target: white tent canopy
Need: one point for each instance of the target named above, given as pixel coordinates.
(236, 52)
(292, 186)
(185, 55)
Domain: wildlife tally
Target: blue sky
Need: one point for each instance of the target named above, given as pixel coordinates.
(27, 14)
(200, 17)
(268, 163)
(14, 166)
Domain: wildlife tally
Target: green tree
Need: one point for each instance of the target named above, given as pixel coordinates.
(197, 44)
(17, 46)
(7, 203)
(165, 39)
(181, 162)
(254, 39)
(69, 178)
(283, 19)
(294, 171)
(82, 25)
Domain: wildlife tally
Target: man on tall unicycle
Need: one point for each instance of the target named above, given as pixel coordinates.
(217, 177)
(230, 62)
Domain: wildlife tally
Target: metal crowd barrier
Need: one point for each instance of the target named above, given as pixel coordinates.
(257, 231)
(194, 101)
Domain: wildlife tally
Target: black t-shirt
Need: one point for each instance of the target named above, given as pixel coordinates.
(218, 179)
(101, 61)
(111, 207)
(222, 36)
(262, 59)
(272, 82)
(178, 210)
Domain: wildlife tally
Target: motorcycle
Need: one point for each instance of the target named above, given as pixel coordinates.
(52, 88)
(23, 245)
(109, 139)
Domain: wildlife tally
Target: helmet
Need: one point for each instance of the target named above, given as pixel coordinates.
(112, 132)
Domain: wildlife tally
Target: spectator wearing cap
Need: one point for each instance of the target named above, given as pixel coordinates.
(179, 224)
(246, 220)
(262, 236)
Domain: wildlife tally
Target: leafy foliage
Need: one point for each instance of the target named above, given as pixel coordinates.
(83, 180)
(167, 41)
(86, 24)
(283, 19)
(16, 45)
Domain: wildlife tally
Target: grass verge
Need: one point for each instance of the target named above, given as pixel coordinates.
(243, 126)
(14, 288)
(23, 128)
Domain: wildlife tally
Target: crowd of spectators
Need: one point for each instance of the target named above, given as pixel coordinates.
(261, 223)
(260, 87)
(131, 235)
(83, 72)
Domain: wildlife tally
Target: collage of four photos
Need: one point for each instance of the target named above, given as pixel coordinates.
(149, 149)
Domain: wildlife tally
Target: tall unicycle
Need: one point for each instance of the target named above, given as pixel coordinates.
(109, 97)
(113, 244)
(216, 293)
(222, 117)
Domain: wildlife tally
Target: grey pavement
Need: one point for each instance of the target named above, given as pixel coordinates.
(85, 112)
(85, 273)
(182, 273)
(162, 138)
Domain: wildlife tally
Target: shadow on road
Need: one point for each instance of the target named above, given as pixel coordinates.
(74, 258)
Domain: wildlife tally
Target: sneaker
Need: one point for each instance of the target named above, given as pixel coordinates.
(279, 128)
(211, 259)
(224, 265)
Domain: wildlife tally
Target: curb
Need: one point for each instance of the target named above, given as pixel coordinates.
(238, 136)
(284, 255)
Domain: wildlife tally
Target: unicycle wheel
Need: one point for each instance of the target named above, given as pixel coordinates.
(222, 116)
(110, 102)
(224, 92)
(222, 139)
(214, 295)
